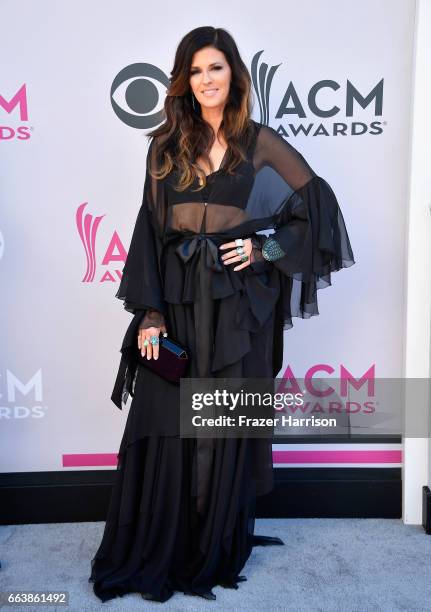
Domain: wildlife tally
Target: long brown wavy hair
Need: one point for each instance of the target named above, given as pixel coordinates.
(185, 135)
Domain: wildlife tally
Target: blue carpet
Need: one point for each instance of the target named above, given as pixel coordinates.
(326, 565)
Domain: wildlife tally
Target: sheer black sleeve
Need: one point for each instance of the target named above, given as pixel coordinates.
(152, 318)
(310, 239)
(141, 287)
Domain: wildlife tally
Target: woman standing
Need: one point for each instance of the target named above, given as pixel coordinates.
(181, 515)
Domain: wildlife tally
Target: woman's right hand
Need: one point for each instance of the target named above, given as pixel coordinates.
(152, 325)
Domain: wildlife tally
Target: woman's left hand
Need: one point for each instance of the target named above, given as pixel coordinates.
(231, 256)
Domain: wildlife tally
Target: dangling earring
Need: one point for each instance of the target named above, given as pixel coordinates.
(193, 102)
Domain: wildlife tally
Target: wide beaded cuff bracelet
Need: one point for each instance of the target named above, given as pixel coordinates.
(271, 250)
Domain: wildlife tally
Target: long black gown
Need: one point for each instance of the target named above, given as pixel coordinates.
(181, 515)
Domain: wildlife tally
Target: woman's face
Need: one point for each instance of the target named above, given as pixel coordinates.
(210, 77)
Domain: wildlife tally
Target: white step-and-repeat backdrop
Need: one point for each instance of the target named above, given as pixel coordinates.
(81, 84)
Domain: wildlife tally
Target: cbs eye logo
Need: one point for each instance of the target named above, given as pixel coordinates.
(136, 92)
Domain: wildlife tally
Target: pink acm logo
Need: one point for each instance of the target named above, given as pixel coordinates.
(114, 252)
(323, 396)
(15, 107)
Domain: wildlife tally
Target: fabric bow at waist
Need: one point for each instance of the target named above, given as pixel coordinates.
(193, 244)
(189, 257)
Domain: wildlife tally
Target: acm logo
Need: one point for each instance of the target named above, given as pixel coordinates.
(114, 252)
(331, 395)
(16, 107)
(22, 400)
(291, 104)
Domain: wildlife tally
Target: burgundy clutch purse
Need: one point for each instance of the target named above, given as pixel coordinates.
(172, 361)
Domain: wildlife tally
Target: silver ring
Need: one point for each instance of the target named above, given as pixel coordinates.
(154, 339)
(239, 242)
(240, 250)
